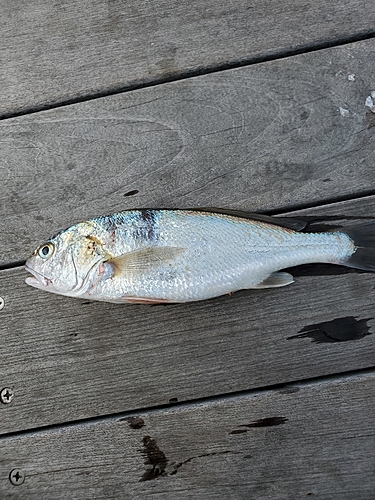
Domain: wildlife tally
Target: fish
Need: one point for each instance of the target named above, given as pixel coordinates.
(150, 256)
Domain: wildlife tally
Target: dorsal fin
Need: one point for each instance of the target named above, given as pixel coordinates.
(287, 222)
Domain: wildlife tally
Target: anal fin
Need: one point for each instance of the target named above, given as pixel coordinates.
(145, 300)
(276, 280)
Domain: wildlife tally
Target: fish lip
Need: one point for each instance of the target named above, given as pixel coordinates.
(40, 279)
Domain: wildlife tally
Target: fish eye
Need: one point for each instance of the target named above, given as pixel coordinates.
(46, 251)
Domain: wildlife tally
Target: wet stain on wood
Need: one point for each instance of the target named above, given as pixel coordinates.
(337, 330)
(261, 422)
(266, 422)
(155, 457)
(134, 422)
(131, 193)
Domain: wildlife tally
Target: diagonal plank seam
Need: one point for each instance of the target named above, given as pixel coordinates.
(292, 385)
(200, 71)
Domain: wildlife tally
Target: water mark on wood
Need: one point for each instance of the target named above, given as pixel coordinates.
(134, 422)
(262, 422)
(337, 330)
(155, 457)
(131, 193)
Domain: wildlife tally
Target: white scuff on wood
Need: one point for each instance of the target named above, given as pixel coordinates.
(369, 102)
(344, 112)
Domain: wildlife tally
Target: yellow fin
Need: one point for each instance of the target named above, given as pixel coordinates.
(143, 260)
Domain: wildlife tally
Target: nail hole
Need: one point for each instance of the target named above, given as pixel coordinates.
(2, 303)
(132, 193)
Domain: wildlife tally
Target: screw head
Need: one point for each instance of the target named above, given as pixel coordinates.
(2, 303)
(6, 395)
(17, 477)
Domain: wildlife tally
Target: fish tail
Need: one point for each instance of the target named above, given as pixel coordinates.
(363, 238)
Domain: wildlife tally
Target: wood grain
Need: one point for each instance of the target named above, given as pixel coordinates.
(77, 359)
(266, 137)
(51, 52)
(302, 440)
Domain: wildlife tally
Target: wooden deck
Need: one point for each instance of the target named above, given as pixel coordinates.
(258, 106)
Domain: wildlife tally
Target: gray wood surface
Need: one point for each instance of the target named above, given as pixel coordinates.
(266, 137)
(265, 394)
(67, 359)
(321, 444)
(51, 52)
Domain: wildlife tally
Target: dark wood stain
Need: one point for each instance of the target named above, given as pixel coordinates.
(266, 422)
(153, 456)
(134, 422)
(262, 422)
(337, 330)
(131, 193)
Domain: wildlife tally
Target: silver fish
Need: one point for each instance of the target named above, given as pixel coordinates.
(155, 256)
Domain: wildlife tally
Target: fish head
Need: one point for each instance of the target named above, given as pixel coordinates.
(66, 263)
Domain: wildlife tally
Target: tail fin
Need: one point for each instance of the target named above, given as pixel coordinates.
(363, 237)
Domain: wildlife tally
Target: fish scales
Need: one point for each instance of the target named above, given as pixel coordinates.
(179, 255)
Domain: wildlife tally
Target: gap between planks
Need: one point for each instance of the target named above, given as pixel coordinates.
(308, 382)
(200, 71)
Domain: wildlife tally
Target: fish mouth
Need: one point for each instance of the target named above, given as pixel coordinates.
(37, 280)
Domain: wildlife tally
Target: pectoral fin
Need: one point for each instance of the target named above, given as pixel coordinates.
(276, 280)
(145, 259)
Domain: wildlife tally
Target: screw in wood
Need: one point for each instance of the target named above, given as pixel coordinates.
(17, 477)
(2, 303)
(6, 395)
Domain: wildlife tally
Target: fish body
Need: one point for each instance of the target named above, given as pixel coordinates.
(150, 256)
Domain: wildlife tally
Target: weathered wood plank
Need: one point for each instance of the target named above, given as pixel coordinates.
(319, 442)
(67, 359)
(265, 137)
(53, 52)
